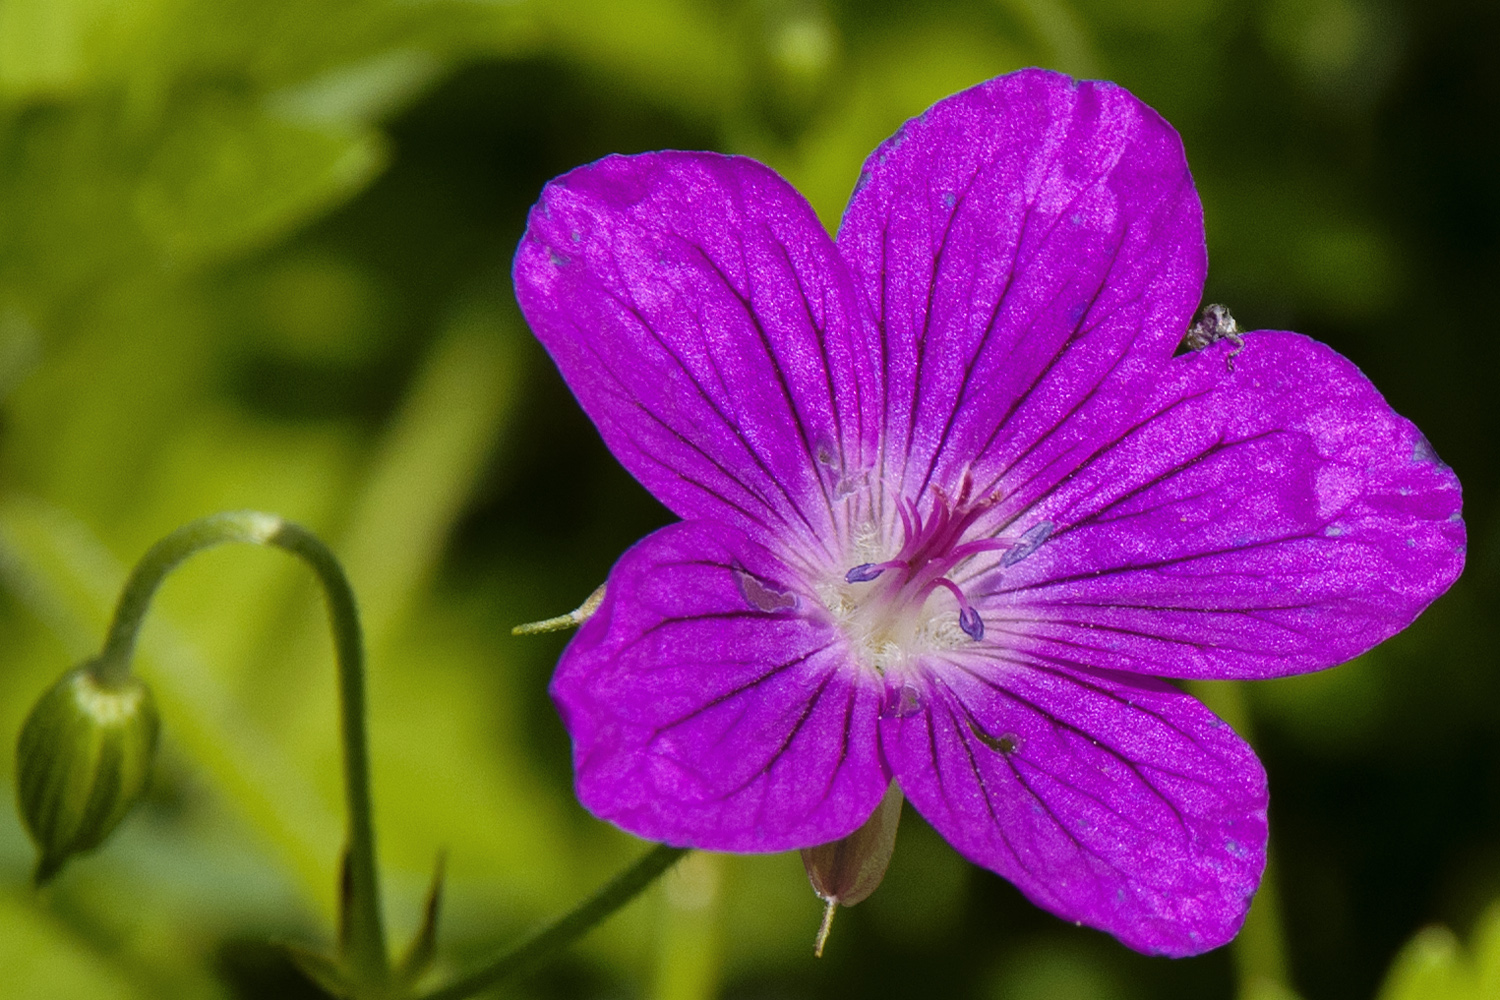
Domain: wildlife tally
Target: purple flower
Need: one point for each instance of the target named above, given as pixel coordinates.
(951, 505)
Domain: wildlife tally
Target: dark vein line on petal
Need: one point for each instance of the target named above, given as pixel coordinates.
(769, 765)
(1075, 467)
(1159, 506)
(1218, 448)
(1157, 564)
(631, 397)
(677, 472)
(1133, 606)
(750, 313)
(820, 336)
(1202, 646)
(1080, 330)
(1058, 668)
(1067, 831)
(885, 371)
(833, 775)
(1060, 354)
(746, 302)
(624, 395)
(730, 425)
(1063, 782)
(1088, 323)
(984, 790)
(934, 277)
(1057, 722)
(741, 689)
(1089, 739)
(986, 333)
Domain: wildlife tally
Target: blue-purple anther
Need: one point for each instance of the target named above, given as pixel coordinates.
(931, 548)
(971, 623)
(865, 572)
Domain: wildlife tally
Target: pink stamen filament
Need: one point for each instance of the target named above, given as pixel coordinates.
(933, 546)
(968, 618)
(977, 546)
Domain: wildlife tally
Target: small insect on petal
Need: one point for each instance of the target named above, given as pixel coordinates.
(1005, 743)
(1215, 324)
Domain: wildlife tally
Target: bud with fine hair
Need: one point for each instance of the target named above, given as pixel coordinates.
(846, 871)
(83, 760)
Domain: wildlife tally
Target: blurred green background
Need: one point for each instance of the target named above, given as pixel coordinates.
(255, 253)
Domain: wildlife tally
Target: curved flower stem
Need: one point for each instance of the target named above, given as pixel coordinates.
(625, 887)
(363, 933)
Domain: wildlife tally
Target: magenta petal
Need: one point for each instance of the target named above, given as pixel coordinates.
(1022, 242)
(712, 704)
(708, 325)
(1113, 801)
(1271, 520)
(955, 456)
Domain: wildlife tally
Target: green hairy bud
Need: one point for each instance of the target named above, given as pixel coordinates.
(84, 758)
(846, 871)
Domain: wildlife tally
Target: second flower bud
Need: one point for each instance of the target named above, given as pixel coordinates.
(83, 760)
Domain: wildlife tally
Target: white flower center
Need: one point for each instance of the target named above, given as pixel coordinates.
(906, 605)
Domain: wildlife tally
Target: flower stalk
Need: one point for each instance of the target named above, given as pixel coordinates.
(363, 933)
(625, 887)
(92, 736)
(1260, 949)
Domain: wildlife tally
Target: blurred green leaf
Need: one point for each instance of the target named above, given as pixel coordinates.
(44, 962)
(1057, 972)
(1433, 965)
(228, 176)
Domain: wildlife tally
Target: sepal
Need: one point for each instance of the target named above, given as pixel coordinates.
(325, 972)
(846, 871)
(423, 949)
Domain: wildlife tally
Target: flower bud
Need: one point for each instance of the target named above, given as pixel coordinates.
(847, 871)
(83, 759)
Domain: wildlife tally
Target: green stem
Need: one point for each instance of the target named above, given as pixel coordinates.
(625, 887)
(363, 932)
(1260, 950)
